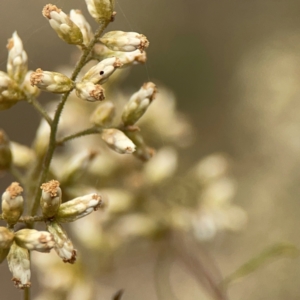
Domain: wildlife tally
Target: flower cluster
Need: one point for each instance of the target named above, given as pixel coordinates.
(15, 245)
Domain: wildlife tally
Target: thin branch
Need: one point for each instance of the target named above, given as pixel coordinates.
(88, 131)
(40, 109)
(52, 140)
(29, 219)
(17, 174)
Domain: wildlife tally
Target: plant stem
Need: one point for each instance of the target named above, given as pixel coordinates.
(91, 130)
(40, 109)
(26, 294)
(28, 219)
(17, 174)
(54, 126)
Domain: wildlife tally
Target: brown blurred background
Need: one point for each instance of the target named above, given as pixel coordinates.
(235, 68)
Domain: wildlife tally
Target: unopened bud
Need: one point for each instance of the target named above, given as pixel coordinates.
(124, 41)
(5, 152)
(17, 59)
(104, 114)
(10, 92)
(31, 239)
(12, 203)
(118, 141)
(77, 17)
(63, 245)
(51, 198)
(100, 72)
(78, 208)
(101, 10)
(89, 91)
(19, 265)
(132, 58)
(138, 103)
(28, 87)
(6, 240)
(66, 29)
(51, 81)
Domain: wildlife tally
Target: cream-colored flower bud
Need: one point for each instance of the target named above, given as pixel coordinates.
(77, 165)
(66, 29)
(17, 58)
(103, 114)
(100, 72)
(51, 198)
(89, 91)
(77, 17)
(101, 10)
(51, 81)
(5, 152)
(63, 245)
(12, 203)
(138, 103)
(78, 208)
(10, 92)
(124, 41)
(19, 265)
(131, 58)
(28, 87)
(6, 240)
(22, 156)
(118, 141)
(31, 239)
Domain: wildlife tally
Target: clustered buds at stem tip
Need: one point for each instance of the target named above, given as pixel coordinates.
(51, 81)
(124, 41)
(51, 198)
(12, 203)
(65, 28)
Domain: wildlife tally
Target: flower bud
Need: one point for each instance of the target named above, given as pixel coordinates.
(28, 87)
(31, 239)
(6, 240)
(63, 245)
(77, 17)
(10, 92)
(118, 141)
(67, 30)
(17, 59)
(138, 103)
(51, 81)
(124, 41)
(131, 58)
(100, 72)
(5, 152)
(89, 91)
(19, 265)
(77, 208)
(12, 203)
(104, 114)
(51, 198)
(101, 10)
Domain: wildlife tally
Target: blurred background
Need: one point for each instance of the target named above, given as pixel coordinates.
(234, 67)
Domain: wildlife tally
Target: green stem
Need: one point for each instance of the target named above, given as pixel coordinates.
(29, 219)
(26, 294)
(40, 109)
(78, 134)
(54, 126)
